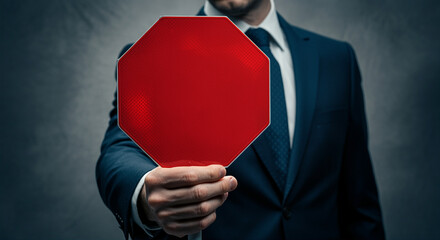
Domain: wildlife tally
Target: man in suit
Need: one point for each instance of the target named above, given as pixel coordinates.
(308, 176)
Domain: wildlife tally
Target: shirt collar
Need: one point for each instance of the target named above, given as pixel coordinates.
(270, 23)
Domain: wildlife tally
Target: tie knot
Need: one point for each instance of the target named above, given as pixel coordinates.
(259, 36)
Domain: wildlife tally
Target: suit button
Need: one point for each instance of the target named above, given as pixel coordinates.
(287, 214)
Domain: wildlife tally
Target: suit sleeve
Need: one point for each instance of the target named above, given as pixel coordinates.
(359, 210)
(119, 168)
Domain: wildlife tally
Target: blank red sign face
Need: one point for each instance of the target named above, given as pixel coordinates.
(193, 91)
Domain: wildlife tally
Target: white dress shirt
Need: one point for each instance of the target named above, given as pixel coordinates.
(280, 50)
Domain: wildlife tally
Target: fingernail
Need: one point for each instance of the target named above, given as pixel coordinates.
(232, 183)
(221, 172)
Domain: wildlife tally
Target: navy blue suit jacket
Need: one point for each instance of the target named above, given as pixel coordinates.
(331, 191)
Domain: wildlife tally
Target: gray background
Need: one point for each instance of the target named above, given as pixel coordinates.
(57, 83)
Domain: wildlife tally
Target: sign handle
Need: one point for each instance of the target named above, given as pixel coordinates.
(195, 236)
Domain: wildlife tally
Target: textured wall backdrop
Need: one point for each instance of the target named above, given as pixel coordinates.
(57, 83)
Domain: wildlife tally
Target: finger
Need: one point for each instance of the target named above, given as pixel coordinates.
(182, 228)
(185, 176)
(192, 211)
(198, 193)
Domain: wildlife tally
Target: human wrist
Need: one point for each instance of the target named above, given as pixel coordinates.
(144, 210)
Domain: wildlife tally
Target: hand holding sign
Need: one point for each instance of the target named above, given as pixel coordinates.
(183, 200)
(193, 91)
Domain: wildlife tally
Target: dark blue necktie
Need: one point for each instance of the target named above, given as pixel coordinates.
(278, 131)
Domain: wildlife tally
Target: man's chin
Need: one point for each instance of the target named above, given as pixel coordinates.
(235, 8)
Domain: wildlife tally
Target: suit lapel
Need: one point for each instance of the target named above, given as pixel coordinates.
(201, 12)
(306, 69)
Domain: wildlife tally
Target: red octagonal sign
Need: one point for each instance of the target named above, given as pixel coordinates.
(193, 91)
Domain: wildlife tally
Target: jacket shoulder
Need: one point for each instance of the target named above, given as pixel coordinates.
(328, 48)
(125, 49)
(318, 38)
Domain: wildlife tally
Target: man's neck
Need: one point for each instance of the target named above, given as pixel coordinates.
(256, 16)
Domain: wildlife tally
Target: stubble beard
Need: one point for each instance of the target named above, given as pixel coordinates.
(233, 9)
